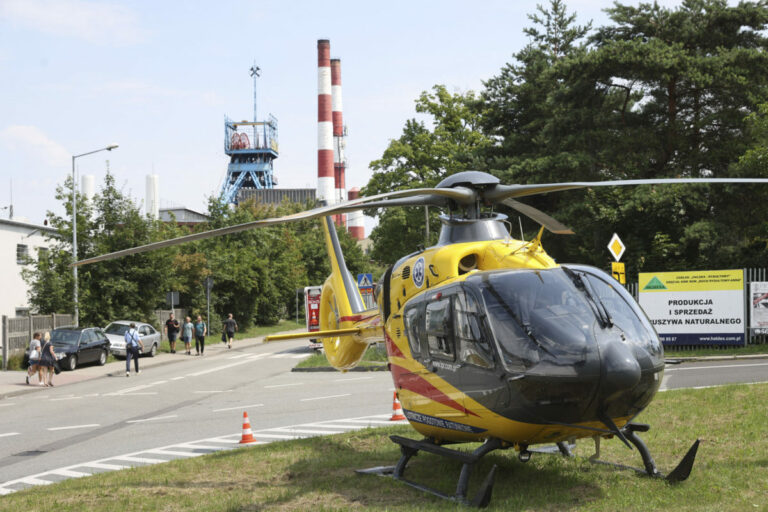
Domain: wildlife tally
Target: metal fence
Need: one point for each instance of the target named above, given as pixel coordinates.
(17, 331)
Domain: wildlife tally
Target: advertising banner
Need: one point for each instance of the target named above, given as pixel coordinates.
(695, 308)
(758, 293)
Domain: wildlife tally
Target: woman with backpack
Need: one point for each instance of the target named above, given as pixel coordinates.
(200, 331)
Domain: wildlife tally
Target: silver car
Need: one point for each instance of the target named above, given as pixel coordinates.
(115, 331)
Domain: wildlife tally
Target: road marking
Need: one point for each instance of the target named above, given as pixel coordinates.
(332, 425)
(101, 465)
(191, 446)
(65, 398)
(214, 391)
(324, 397)
(301, 431)
(353, 378)
(238, 407)
(145, 393)
(9, 434)
(145, 460)
(177, 378)
(218, 368)
(34, 481)
(258, 356)
(153, 419)
(6, 405)
(90, 425)
(69, 473)
(731, 366)
(173, 452)
(283, 385)
(276, 436)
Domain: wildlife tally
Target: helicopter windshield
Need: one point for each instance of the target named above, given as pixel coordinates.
(556, 317)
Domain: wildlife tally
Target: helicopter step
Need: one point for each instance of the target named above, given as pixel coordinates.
(410, 447)
(630, 430)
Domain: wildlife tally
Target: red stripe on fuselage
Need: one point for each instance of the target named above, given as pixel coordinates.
(408, 380)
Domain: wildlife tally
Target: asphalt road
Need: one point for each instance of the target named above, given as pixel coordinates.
(195, 406)
(197, 400)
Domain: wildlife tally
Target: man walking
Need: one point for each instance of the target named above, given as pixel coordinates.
(230, 327)
(171, 330)
(132, 344)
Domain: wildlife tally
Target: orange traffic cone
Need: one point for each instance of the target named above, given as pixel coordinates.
(397, 410)
(247, 434)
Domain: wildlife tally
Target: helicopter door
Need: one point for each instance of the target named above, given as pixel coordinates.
(439, 358)
(478, 376)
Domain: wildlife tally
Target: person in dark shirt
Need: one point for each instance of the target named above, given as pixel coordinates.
(230, 327)
(171, 330)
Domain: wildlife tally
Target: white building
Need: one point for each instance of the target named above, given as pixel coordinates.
(18, 241)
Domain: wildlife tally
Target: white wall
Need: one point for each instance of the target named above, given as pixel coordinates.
(14, 288)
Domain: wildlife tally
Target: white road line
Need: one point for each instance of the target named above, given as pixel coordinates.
(34, 481)
(9, 434)
(731, 366)
(218, 368)
(177, 378)
(101, 465)
(238, 407)
(324, 397)
(353, 378)
(256, 356)
(69, 473)
(276, 436)
(281, 356)
(90, 425)
(214, 391)
(145, 460)
(153, 419)
(192, 446)
(220, 440)
(302, 431)
(145, 393)
(4, 491)
(65, 398)
(378, 422)
(174, 452)
(331, 425)
(283, 385)
(6, 405)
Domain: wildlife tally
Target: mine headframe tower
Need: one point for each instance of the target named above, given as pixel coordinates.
(252, 148)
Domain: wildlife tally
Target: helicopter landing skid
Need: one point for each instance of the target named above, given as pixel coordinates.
(410, 447)
(679, 474)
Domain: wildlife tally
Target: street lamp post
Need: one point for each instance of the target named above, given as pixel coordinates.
(74, 226)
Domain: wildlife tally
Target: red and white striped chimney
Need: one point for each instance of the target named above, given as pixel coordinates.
(325, 179)
(355, 219)
(339, 163)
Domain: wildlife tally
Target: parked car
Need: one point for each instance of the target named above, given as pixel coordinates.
(77, 345)
(115, 331)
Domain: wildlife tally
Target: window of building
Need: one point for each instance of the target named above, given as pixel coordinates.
(22, 254)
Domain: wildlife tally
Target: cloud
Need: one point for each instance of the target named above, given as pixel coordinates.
(95, 22)
(33, 141)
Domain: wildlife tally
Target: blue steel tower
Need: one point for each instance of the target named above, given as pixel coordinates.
(252, 147)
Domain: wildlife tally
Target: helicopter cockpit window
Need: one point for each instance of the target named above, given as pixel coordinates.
(438, 323)
(413, 329)
(538, 318)
(472, 344)
(625, 314)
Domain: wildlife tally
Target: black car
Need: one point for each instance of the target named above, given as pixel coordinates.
(78, 345)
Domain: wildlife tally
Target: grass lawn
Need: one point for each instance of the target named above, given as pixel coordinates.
(375, 355)
(726, 351)
(731, 473)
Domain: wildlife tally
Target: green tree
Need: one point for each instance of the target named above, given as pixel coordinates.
(424, 154)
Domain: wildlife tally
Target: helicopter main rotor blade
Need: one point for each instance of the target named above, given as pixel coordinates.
(553, 225)
(501, 192)
(459, 194)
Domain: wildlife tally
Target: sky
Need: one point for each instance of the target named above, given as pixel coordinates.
(158, 78)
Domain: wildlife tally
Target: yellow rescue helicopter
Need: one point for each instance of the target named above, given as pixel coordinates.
(488, 338)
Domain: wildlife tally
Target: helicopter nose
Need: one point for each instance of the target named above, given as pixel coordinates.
(620, 369)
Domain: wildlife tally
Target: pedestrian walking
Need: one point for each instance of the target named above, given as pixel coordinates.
(186, 334)
(132, 344)
(201, 330)
(34, 358)
(230, 328)
(47, 360)
(171, 330)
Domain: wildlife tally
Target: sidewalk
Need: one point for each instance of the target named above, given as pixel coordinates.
(12, 383)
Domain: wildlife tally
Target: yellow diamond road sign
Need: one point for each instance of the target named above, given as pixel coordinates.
(616, 247)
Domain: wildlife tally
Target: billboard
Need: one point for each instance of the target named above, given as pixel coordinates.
(758, 294)
(695, 308)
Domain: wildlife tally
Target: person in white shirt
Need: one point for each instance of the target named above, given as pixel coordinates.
(34, 358)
